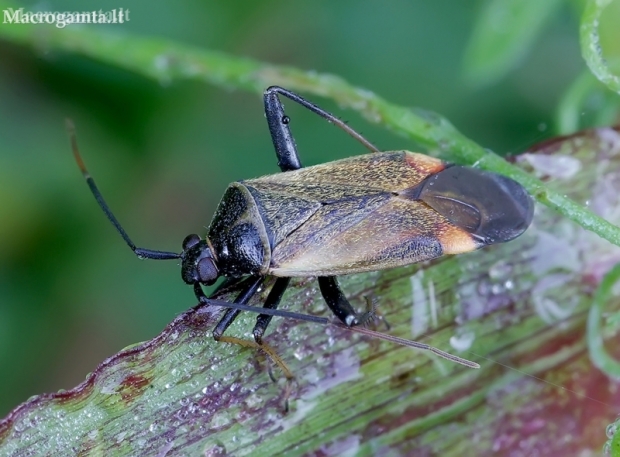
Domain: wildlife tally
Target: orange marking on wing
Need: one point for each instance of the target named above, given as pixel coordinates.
(423, 163)
(455, 240)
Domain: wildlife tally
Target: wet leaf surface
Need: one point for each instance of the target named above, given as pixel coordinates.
(518, 309)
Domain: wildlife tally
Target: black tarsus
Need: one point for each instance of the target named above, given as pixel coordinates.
(140, 252)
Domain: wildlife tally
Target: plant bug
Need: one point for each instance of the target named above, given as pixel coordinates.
(364, 213)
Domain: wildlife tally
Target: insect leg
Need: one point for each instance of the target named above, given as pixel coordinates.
(337, 302)
(251, 286)
(272, 302)
(281, 133)
(288, 159)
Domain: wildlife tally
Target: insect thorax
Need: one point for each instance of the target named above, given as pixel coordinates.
(237, 234)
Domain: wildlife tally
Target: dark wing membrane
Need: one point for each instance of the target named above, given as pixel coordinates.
(355, 176)
(365, 234)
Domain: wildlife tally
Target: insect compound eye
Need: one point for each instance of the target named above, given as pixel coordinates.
(197, 263)
(490, 206)
(207, 271)
(190, 241)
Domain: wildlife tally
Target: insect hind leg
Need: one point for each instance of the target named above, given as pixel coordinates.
(288, 160)
(337, 302)
(281, 136)
(278, 121)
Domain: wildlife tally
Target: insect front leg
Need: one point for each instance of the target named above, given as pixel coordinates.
(251, 286)
(272, 302)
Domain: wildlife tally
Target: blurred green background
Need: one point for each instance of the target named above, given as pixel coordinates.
(72, 293)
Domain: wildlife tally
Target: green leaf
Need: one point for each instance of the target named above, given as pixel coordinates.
(503, 34)
(591, 48)
(523, 304)
(599, 355)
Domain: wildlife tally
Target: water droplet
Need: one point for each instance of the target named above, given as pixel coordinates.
(301, 352)
(611, 430)
(253, 401)
(607, 449)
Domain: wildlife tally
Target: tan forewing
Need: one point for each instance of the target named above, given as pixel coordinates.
(355, 176)
(281, 212)
(382, 232)
(354, 215)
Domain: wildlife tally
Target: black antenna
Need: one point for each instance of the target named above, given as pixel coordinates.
(140, 252)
